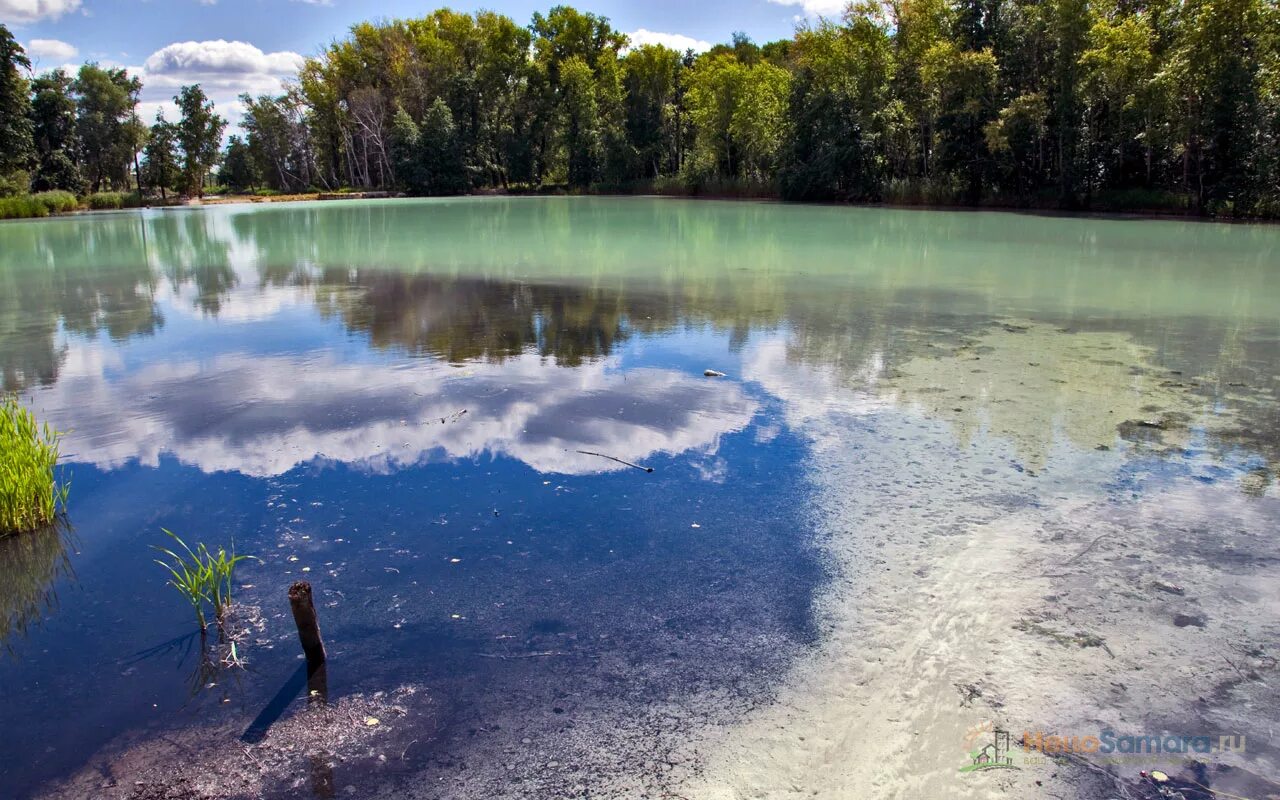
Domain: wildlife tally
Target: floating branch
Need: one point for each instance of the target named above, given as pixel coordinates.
(611, 458)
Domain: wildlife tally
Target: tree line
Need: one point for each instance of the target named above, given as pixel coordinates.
(1151, 104)
(82, 133)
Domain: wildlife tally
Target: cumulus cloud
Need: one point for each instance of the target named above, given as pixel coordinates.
(218, 59)
(50, 50)
(225, 70)
(22, 11)
(817, 8)
(262, 416)
(676, 41)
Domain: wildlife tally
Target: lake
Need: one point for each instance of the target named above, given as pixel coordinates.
(424, 407)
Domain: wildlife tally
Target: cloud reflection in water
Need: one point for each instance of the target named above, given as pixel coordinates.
(264, 415)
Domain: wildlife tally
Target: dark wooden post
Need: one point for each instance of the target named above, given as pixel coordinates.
(304, 616)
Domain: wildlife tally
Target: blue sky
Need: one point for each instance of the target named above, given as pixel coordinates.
(234, 46)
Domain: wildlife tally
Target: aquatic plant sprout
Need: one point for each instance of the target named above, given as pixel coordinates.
(201, 577)
(30, 493)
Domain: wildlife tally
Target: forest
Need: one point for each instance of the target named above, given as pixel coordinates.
(1143, 105)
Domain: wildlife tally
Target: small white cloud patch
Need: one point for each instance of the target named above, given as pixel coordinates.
(23, 11)
(50, 51)
(816, 8)
(676, 41)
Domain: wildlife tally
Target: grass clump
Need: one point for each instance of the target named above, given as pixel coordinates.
(105, 201)
(43, 204)
(30, 493)
(202, 578)
(23, 207)
(57, 201)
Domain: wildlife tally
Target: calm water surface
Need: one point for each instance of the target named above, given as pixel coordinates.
(294, 376)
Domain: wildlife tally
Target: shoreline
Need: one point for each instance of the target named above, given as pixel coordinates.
(1154, 215)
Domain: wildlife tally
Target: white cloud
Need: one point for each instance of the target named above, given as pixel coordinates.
(40, 50)
(817, 8)
(219, 59)
(22, 11)
(225, 70)
(521, 408)
(676, 41)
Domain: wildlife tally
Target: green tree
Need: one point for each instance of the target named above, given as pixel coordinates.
(1122, 98)
(441, 154)
(840, 142)
(1214, 69)
(16, 145)
(160, 165)
(53, 117)
(239, 172)
(963, 85)
(1016, 140)
(107, 124)
(199, 137)
(652, 96)
(279, 141)
(575, 55)
(581, 132)
(406, 154)
(739, 113)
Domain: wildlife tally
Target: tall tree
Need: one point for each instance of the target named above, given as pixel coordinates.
(238, 172)
(841, 140)
(16, 146)
(57, 144)
(581, 132)
(199, 137)
(444, 171)
(652, 96)
(161, 168)
(739, 113)
(107, 124)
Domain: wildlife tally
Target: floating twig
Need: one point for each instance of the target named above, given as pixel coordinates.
(539, 654)
(611, 458)
(1074, 558)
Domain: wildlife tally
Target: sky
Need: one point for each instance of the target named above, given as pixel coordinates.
(235, 46)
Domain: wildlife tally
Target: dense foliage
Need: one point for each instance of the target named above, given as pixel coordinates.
(82, 134)
(1144, 104)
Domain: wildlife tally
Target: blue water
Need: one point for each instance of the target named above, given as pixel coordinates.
(389, 401)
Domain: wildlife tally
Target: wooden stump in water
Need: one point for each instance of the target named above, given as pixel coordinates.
(304, 616)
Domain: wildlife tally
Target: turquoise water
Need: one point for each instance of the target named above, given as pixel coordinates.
(391, 399)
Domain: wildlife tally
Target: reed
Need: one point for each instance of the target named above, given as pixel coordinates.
(107, 201)
(23, 207)
(30, 492)
(200, 576)
(57, 201)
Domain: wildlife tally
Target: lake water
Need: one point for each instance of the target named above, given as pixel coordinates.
(391, 399)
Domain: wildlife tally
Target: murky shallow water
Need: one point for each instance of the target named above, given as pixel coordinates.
(295, 377)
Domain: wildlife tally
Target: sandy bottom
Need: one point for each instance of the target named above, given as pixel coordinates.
(976, 592)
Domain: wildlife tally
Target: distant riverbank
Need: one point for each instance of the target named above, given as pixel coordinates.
(1119, 211)
(35, 206)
